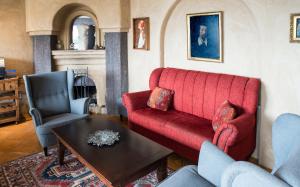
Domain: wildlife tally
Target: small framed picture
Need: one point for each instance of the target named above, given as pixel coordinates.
(141, 33)
(295, 28)
(205, 36)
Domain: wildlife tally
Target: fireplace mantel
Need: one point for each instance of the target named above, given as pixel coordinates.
(90, 54)
(93, 60)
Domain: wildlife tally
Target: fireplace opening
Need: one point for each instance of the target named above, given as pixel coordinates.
(85, 87)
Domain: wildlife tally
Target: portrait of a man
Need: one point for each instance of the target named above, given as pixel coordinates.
(141, 33)
(205, 37)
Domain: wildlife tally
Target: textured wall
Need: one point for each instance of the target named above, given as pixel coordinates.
(15, 43)
(111, 14)
(256, 44)
(140, 62)
(42, 53)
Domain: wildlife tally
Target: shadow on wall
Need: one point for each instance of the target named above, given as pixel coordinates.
(22, 68)
(125, 13)
(265, 130)
(163, 32)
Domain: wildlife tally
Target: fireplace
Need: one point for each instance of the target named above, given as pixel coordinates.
(90, 74)
(85, 87)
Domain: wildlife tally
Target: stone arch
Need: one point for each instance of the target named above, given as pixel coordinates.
(66, 10)
(64, 17)
(163, 31)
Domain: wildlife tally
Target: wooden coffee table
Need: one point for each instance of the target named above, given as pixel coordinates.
(133, 157)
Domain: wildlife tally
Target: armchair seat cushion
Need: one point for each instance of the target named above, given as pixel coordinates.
(186, 176)
(57, 121)
(184, 128)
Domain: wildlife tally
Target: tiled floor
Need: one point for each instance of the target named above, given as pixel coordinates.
(20, 140)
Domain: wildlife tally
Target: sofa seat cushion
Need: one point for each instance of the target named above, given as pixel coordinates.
(184, 128)
(186, 176)
(57, 121)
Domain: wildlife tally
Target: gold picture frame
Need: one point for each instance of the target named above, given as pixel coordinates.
(205, 36)
(295, 28)
(141, 33)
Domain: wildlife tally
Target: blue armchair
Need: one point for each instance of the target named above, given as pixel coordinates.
(215, 168)
(286, 170)
(211, 165)
(52, 104)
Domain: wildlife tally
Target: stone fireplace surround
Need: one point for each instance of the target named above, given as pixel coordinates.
(55, 25)
(116, 64)
(92, 60)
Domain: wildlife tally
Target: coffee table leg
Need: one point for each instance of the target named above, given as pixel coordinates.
(61, 153)
(162, 170)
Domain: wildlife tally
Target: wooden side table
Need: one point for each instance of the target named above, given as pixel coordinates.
(9, 100)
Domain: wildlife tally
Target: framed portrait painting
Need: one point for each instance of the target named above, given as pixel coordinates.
(141, 33)
(205, 36)
(295, 28)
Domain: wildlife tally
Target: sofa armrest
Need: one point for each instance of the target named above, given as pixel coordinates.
(136, 100)
(234, 131)
(80, 106)
(36, 116)
(246, 174)
(212, 163)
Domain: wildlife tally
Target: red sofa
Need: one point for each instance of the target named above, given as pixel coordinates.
(187, 124)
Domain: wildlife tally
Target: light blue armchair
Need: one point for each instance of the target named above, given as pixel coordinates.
(215, 168)
(211, 165)
(286, 170)
(52, 104)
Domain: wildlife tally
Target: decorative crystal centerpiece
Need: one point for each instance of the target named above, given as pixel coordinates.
(103, 137)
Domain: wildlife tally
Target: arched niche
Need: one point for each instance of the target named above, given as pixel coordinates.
(64, 19)
(174, 26)
(240, 21)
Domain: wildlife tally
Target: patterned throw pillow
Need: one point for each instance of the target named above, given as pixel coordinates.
(224, 113)
(160, 98)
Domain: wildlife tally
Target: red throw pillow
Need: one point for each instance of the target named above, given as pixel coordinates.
(224, 113)
(160, 98)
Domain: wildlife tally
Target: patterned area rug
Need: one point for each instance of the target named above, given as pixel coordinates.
(38, 170)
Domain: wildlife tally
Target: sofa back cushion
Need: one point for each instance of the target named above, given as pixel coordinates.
(160, 99)
(225, 113)
(49, 93)
(200, 93)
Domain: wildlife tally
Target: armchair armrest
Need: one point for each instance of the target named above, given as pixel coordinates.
(80, 106)
(246, 174)
(212, 163)
(136, 100)
(36, 116)
(234, 131)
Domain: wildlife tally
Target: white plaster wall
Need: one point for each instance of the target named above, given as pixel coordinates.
(256, 44)
(280, 70)
(240, 32)
(140, 62)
